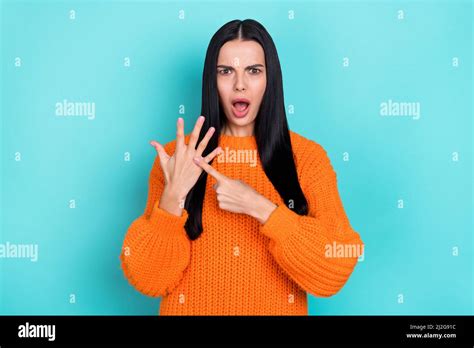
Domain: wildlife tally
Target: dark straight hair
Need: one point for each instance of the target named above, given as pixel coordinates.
(271, 127)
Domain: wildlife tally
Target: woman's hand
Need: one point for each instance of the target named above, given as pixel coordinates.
(238, 197)
(179, 171)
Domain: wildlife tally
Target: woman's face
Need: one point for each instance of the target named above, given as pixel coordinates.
(241, 74)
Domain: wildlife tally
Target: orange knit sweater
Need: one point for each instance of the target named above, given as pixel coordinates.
(239, 266)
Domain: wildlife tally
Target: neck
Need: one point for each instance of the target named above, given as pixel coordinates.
(236, 131)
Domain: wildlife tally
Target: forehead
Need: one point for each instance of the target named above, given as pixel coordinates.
(244, 52)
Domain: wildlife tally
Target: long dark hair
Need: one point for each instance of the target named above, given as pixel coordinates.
(271, 127)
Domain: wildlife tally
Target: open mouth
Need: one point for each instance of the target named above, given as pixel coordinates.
(241, 106)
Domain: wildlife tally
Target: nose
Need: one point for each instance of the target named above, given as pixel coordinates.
(240, 84)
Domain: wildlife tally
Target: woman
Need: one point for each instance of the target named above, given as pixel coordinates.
(248, 234)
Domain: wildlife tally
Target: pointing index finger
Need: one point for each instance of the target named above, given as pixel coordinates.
(209, 169)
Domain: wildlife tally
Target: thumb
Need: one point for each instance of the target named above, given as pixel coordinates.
(161, 152)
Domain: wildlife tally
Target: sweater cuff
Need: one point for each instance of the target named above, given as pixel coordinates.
(280, 223)
(168, 223)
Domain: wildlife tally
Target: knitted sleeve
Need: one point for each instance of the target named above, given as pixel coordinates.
(156, 249)
(308, 248)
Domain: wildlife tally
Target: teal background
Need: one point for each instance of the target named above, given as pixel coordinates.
(408, 251)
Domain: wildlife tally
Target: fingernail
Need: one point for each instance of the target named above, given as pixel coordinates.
(196, 159)
(201, 118)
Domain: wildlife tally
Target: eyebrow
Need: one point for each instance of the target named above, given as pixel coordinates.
(248, 67)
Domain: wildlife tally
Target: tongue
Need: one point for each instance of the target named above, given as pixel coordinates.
(241, 106)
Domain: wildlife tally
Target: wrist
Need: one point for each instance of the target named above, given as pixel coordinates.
(263, 209)
(174, 193)
(172, 201)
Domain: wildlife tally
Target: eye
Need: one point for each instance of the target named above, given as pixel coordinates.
(255, 71)
(223, 70)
